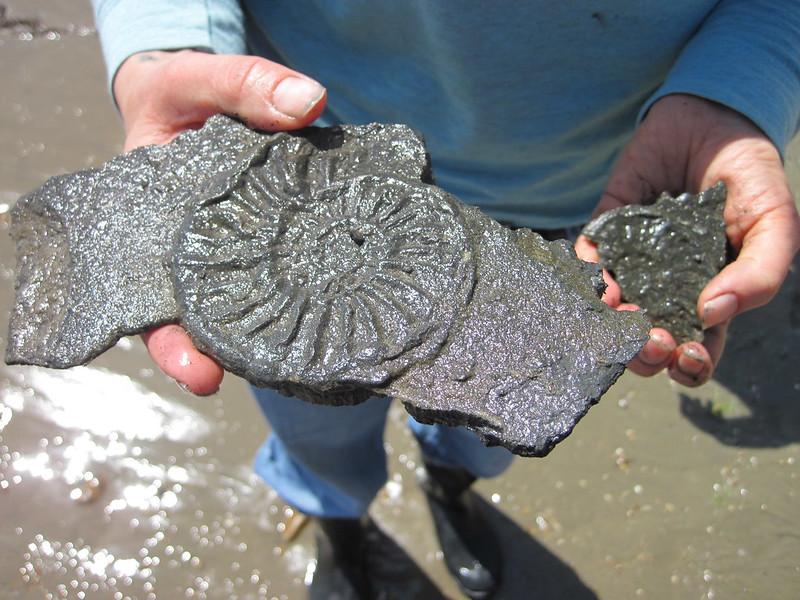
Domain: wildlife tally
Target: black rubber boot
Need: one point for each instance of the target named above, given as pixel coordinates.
(357, 560)
(341, 572)
(470, 546)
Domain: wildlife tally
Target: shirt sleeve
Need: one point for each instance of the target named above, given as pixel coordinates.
(746, 56)
(130, 26)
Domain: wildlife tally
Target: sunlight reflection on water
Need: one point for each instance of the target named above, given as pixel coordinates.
(101, 403)
(127, 497)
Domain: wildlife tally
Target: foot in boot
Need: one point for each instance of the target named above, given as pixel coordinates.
(470, 546)
(357, 561)
(341, 572)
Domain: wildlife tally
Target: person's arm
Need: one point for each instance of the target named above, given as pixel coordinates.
(162, 93)
(127, 27)
(725, 113)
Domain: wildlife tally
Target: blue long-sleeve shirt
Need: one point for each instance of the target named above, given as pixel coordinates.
(524, 105)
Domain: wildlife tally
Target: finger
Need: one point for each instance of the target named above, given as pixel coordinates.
(173, 352)
(656, 355)
(695, 363)
(714, 341)
(692, 366)
(587, 251)
(182, 90)
(627, 306)
(761, 267)
(264, 94)
(612, 294)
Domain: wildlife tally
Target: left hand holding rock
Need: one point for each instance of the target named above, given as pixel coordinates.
(686, 144)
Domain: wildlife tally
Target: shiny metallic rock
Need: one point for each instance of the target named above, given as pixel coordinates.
(664, 253)
(323, 263)
(341, 286)
(91, 246)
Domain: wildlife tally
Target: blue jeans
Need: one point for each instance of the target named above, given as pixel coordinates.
(329, 461)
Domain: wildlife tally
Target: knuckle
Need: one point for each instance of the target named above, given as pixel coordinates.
(244, 75)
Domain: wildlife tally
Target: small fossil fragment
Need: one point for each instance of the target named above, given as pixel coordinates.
(663, 254)
(325, 264)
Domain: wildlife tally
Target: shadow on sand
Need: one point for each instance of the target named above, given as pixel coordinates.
(531, 570)
(760, 368)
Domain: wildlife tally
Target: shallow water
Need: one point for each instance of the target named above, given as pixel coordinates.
(116, 484)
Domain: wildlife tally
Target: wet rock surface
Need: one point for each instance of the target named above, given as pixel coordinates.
(663, 254)
(91, 246)
(324, 264)
(536, 347)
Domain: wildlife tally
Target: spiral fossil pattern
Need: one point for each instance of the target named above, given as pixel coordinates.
(348, 283)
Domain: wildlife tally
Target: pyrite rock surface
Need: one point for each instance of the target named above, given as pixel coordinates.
(663, 254)
(535, 348)
(91, 246)
(323, 263)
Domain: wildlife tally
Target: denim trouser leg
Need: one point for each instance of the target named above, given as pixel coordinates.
(460, 447)
(329, 460)
(326, 461)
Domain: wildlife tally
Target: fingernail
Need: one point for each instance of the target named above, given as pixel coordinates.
(655, 339)
(695, 363)
(200, 392)
(295, 97)
(655, 352)
(650, 357)
(719, 309)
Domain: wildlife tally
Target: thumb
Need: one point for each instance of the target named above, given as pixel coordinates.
(161, 94)
(767, 250)
(264, 94)
(763, 227)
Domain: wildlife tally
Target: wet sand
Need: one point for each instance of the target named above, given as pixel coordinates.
(115, 484)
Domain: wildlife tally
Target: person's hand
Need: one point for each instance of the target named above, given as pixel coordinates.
(161, 94)
(686, 144)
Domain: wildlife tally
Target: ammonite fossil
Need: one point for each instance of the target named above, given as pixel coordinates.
(323, 263)
(662, 254)
(343, 286)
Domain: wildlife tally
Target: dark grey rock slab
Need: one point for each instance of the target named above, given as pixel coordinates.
(90, 247)
(324, 264)
(663, 254)
(535, 349)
